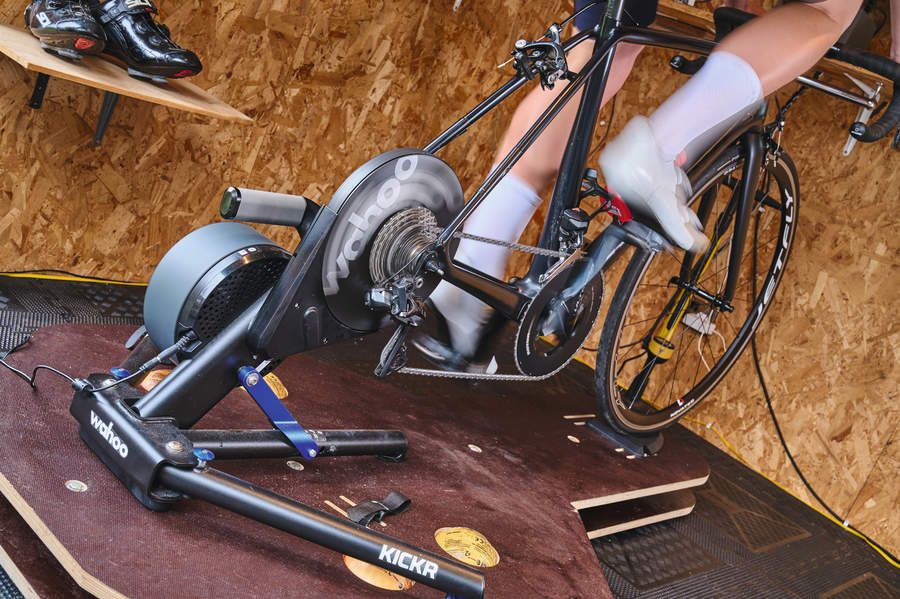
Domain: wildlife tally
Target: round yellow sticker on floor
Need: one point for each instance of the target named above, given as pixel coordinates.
(377, 577)
(468, 546)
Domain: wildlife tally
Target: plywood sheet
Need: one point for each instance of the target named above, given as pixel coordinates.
(618, 517)
(498, 458)
(29, 563)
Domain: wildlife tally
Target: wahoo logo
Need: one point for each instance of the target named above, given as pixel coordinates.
(367, 219)
(408, 561)
(106, 431)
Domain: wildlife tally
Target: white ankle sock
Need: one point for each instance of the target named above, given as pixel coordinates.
(725, 86)
(503, 215)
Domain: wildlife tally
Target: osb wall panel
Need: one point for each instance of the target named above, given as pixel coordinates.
(332, 83)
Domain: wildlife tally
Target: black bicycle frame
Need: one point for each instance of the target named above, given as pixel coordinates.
(509, 299)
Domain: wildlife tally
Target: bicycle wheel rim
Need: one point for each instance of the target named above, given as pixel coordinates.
(650, 412)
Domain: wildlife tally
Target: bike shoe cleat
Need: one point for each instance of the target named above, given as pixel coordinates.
(65, 27)
(145, 46)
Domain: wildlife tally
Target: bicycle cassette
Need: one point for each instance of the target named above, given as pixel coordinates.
(403, 194)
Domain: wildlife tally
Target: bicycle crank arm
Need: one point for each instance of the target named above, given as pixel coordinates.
(607, 246)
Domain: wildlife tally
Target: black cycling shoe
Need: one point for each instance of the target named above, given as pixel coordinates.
(65, 27)
(432, 339)
(145, 46)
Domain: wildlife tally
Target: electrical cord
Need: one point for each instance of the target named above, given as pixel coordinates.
(55, 273)
(765, 390)
(80, 384)
(31, 379)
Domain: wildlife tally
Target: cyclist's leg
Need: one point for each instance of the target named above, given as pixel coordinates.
(751, 62)
(506, 212)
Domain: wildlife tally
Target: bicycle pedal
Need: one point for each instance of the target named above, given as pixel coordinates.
(699, 322)
(393, 356)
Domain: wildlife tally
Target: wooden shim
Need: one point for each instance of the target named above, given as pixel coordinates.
(584, 504)
(628, 515)
(24, 48)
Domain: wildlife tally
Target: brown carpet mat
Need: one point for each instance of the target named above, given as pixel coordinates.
(516, 491)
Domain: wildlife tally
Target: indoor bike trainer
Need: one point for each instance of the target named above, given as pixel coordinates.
(227, 305)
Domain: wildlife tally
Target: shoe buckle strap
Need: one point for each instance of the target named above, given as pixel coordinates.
(110, 11)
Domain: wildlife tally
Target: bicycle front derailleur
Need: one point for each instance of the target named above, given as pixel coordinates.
(544, 58)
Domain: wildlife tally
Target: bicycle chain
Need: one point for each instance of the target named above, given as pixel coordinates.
(473, 376)
(518, 247)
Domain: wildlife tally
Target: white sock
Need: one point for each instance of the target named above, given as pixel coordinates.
(503, 215)
(726, 86)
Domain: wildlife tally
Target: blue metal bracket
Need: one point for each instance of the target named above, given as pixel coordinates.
(277, 413)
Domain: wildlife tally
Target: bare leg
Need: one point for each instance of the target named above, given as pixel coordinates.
(756, 59)
(794, 37)
(539, 166)
(505, 213)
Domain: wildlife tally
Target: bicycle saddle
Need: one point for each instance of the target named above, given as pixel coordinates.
(728, 19)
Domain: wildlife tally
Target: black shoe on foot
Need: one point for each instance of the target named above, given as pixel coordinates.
(65, 27)
(145, 46)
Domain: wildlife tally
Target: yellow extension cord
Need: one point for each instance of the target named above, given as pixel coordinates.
(737, 454)
(61, 277)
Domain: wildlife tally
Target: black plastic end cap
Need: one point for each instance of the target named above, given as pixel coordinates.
(231, 202)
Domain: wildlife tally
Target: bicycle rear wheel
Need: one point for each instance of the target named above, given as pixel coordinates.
(669, 336)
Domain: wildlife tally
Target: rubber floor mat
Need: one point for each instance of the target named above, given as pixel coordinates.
(745, 538)
(27, 304)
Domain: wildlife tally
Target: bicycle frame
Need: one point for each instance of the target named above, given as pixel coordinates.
(508, 299)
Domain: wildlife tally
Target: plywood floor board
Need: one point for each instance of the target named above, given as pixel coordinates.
(516, 490)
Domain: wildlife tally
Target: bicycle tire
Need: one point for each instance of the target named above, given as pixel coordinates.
(649, 415)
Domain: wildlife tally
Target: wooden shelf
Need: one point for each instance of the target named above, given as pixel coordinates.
(22, 47)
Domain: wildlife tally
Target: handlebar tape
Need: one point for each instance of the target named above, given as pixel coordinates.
(887, 68)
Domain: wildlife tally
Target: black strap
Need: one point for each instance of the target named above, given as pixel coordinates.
(363, 513)
(112, 10)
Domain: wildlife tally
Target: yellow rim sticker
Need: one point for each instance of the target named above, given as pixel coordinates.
(468, 546)
(377, 577)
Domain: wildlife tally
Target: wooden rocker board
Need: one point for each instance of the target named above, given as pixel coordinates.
(29, 564)
(613, 518)
(499, 458)
(22, 47)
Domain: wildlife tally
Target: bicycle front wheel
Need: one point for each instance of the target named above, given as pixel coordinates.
(674, 329)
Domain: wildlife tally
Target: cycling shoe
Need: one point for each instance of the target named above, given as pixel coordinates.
(651, 186)
(432, 341)
(65, 27)
(145, 46)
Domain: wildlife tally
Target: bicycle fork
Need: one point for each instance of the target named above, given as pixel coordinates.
(660, 347)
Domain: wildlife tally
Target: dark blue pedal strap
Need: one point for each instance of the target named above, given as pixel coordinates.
(259, 389)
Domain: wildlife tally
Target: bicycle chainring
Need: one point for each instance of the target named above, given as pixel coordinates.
(552, 330)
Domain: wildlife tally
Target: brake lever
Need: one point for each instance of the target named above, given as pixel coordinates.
(864, 114)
